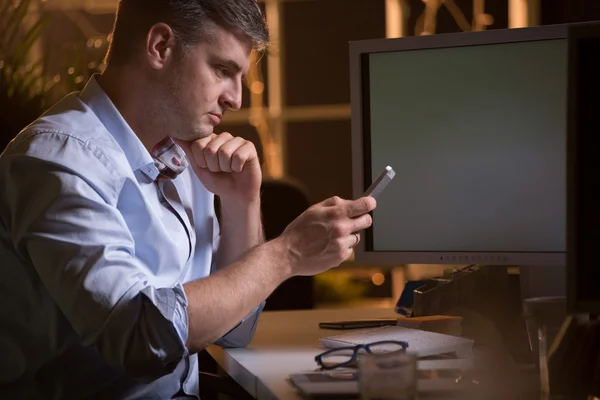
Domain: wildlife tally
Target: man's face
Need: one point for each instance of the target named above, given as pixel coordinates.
(205, 83)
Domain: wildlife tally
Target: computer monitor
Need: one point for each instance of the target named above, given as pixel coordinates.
(475, 126)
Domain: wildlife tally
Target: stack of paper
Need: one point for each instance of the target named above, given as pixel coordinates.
(423, 343)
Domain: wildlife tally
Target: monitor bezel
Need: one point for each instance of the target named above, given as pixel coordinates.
(575, 229)
(361, 168)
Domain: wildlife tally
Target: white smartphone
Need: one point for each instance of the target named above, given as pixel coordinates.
(381, 182)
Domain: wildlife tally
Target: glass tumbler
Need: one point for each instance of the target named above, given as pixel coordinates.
(387, 376)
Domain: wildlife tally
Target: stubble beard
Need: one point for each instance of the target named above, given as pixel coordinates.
(182, 122)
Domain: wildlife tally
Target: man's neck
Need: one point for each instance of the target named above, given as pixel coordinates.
(131, 98)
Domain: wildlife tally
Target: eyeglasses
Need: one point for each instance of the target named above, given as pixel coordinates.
(346, 356)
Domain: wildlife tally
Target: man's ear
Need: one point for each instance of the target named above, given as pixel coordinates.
(160, 45)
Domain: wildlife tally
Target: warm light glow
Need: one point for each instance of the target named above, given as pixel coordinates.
(56, 78)
(98, 43)
(273, 151)
(394, 19)
(254, 119)
(485, 19)
(426, 23)
(71, 71)
(276, 81)
(523, 13)
(258, 87)
(378, 279)
(90, 43)
(1, 64)
(517, 13)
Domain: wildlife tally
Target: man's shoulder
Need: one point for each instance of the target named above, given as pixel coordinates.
(72, 118)
(68, 133)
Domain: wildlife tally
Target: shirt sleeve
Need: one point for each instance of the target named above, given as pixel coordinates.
(61, 201)
(242, 334)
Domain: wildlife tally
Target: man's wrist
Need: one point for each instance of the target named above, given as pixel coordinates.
(236, 204)
(242, 222)
(279, 251)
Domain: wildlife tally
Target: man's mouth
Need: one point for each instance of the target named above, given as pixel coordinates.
(216, 118)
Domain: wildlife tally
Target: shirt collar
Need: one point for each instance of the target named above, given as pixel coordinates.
(98, 101)
(169, 158)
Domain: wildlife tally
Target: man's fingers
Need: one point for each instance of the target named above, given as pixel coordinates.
(348, 242)
(195, 149)
(333, 201)
(219, 153)
(242, 155)
(355, 211)
(361, 206)
(211, 151)
(198, 155)
(351, 208)
(361, 223)
(353, 239)
(227, 151)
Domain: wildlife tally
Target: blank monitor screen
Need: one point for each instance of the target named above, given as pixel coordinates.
(477, 137)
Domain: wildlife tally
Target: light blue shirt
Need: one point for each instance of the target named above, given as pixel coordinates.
(93, 259)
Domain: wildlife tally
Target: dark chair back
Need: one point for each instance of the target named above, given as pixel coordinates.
(282, 202)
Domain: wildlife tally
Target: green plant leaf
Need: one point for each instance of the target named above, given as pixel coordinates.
(13, 28)
(31, 79)
(4, 14)
(25, 46)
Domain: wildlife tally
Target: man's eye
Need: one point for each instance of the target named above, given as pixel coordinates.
(222, 71)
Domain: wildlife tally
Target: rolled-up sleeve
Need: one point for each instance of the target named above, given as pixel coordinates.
(242, 334)
(65, 221)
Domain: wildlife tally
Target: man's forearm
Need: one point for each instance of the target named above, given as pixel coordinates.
(216, 304)
(241, 229)
(242, 281)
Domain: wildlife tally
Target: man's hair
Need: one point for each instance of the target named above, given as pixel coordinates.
(191, 21)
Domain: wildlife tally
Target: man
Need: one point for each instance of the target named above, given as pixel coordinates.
(115, 272)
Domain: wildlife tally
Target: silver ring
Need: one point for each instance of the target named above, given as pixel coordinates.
(357, 236)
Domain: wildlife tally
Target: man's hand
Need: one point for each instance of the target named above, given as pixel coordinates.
(227, 166)
(324, 235)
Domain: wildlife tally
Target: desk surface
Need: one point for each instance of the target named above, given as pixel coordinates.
(285, 342)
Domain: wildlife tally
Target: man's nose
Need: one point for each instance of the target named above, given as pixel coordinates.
(232, 98)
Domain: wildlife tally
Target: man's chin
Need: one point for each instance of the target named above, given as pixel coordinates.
(202, 132)
(194, 135)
